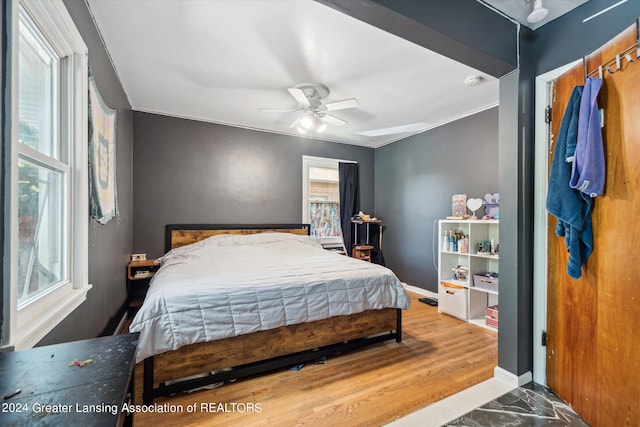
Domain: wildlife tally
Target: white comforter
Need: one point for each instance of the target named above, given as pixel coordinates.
(230, 285)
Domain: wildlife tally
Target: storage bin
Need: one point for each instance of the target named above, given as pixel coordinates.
(452, 300)
(491, 316)
(490, 321)
(492, 311)
(488, 281)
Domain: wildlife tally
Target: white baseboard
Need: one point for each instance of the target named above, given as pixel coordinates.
(513, 379)
(454, 406)
(420, 291)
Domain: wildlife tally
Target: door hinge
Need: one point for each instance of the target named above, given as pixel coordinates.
(547, 114)
(544, 338)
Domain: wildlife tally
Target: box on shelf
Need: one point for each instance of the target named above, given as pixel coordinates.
(491, 316)
(452, 300)
(143, 274)
(488, 281)
(138, 257)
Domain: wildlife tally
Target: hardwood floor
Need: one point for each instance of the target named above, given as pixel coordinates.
(439, 356)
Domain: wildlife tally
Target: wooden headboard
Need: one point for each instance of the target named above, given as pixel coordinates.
(177, 235)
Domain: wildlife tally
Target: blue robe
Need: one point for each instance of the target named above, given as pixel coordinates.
(565, 203)
(588, 172)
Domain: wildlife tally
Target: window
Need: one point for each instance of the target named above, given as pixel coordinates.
(43, 172)
(49, 170)
(321, 196)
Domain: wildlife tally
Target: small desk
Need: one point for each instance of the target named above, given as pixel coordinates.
(45, 378)
(378, 222)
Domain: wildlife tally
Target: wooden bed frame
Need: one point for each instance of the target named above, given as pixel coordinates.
(262, 351)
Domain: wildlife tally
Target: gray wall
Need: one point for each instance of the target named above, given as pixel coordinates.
(515, 136)
(187, 171)
(110, 244)
(415, 179)
(457, 29)
(567, 38)
(4, 131)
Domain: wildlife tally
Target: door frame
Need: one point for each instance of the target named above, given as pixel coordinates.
(541, 172)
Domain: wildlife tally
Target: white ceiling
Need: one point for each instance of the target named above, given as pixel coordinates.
(520, 9)
(220, 61)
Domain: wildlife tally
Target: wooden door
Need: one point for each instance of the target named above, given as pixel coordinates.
(593, 323)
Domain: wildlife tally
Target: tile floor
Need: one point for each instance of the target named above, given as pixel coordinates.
(496, 403)
(529, 405)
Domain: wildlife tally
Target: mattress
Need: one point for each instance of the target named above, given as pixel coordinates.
(229, 285)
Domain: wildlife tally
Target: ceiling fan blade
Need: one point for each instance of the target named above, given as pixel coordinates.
(410, 128)
(332, 120)
(341, 105)
(277, 110)
(299, 96)
(295, 123)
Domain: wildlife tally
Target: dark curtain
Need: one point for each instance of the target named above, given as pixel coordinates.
(374, 240)
(349, 203)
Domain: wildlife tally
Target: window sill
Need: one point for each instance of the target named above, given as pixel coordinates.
(39, 318)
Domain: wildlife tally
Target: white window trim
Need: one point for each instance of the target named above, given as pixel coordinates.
(33, 321)
(318, 162)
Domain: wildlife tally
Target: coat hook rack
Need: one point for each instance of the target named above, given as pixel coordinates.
(612, 65)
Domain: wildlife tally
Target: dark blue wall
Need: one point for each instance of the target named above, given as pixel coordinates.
(415, 179)
(5, 132)
(567, 38)
(109, 244)
(188, 171)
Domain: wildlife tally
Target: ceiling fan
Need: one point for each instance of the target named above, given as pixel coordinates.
(309, 97)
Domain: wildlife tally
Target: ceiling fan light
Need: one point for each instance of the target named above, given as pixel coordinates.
(306, 122)
(320, 127)
(538, 13)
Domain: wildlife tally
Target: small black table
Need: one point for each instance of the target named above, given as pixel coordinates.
(56, 394)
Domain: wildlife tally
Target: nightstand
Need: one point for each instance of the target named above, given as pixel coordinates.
(139, 273)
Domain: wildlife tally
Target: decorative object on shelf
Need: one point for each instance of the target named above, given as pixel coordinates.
(474, 205)
(492, 206)
(460, 272)
(138, 257)
(458, 207)
(489, 247)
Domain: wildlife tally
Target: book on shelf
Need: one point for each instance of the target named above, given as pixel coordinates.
(143, 274)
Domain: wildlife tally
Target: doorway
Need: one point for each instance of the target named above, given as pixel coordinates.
(590, 360)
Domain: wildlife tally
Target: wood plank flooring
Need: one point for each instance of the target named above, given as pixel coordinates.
(439, 356)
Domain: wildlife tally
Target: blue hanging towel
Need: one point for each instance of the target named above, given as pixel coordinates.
(588, 172)
(565, 203)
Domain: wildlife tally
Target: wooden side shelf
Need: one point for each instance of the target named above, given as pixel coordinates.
(362, 252)
(140, 270)
(139, 273)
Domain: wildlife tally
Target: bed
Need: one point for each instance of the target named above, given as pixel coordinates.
(232, 301)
